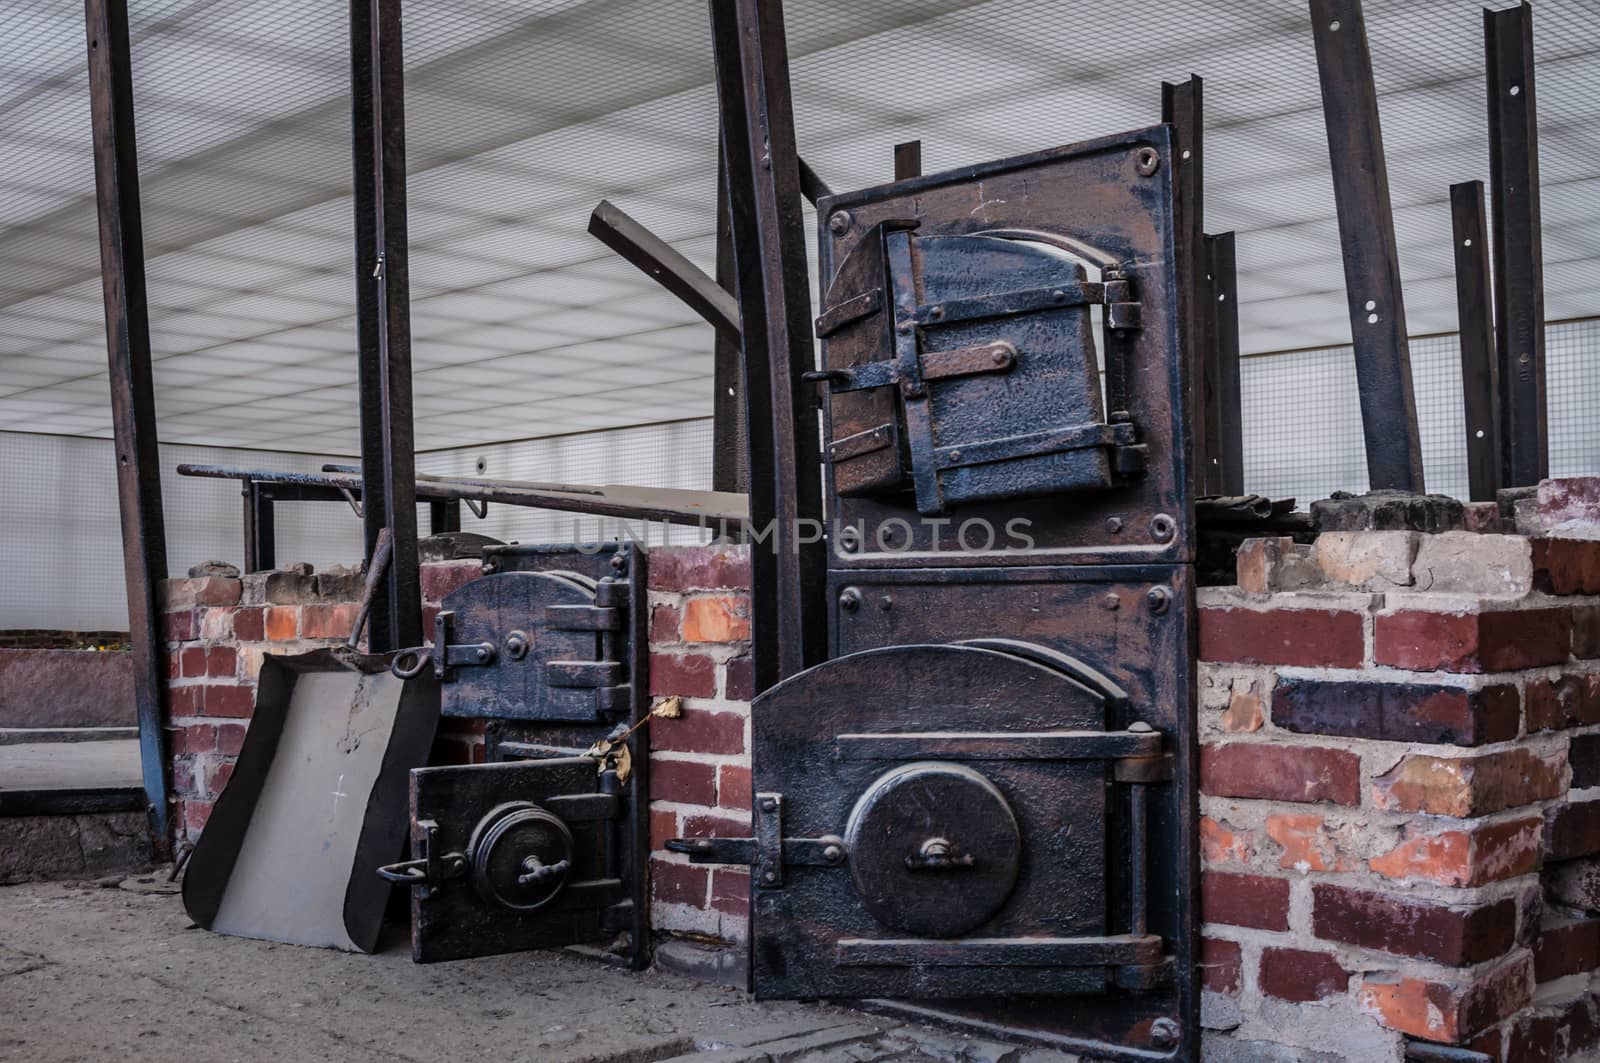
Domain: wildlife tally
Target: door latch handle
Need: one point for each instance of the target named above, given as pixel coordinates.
(938, 854)
(536, 871)
(431, 871)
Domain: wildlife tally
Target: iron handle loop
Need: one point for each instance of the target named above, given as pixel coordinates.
(408, 664)
(540, 872)
(407, 873)
(939, 854)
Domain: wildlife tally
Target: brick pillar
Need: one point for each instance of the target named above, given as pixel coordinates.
(1399, 736)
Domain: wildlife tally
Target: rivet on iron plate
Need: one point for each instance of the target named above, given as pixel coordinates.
(936, 313)
(833, 854)
(1163, 1033)
(1162, 527)
(1148, 161)
(1000, 355)
(1140, 727)
(768, 805)
(1113, 525)
(839, 222)
(770, 876)
(848, 539)
(849, 599)
(1111, 603)
(886, 602)
(1158, 598)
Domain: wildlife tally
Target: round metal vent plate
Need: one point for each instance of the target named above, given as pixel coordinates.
(934, 849)
(521, 856)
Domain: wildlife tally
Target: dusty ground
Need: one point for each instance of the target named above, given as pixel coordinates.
(107, 972)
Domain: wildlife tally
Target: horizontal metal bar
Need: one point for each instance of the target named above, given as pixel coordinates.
(584, 808)
(70, 802)
(1052, 441)
(582, 618)
(808, 852)
(655, 257)
(579, 675)
(1027, 301)
(1017, 745)
(1108, 951)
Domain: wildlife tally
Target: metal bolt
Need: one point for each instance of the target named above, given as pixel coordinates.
(849, 599)
(770, 876)
(1147, 161)
(1001, 356)
(904, 327)
(1162, 527)
(886, 602)
(1140, 727)
(839, 222)
(1158, 598)
(1058, 295)
(1113, 525)
(955, 455)
(833, 854)
(936, 313)
(490, 565)
(618, 562)
(1111, 603)
(768, 805)
(848, 539)
(1164, 1032)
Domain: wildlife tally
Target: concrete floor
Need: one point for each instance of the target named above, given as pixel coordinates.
(115, 972)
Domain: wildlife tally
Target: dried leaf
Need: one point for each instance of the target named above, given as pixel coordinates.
(669, 709)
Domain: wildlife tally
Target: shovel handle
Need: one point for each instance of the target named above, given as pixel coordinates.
(375, 570)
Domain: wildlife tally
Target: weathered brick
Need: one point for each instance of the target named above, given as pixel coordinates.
(282, 623)
(1484, 853)
(195, 738)
(1275, 564)
(1586, 631)
(672, 883)
(1276, 772)
(683, 781)
(1484, 518)
(186, 700)
(1405, 927)
(230, 738)
(217, 778)
(173, 663)
(730, 891)
(1244, 900)
(697, 568)
(1565, 701)
(1584, 755)
(216, 624)
(733, 787)
(178, 626)
(440, 578)
(1222, 843)
(1466, 562)
(193, 661)
(288, 587)
(663, 825)
(1243, 714)
(1368, 560)
(1566, 946)
(328, 621)
(1503, 640)
(1308, 637)
(719, 619)
(1307, 845)
(1574, 883)
(226, 699)
(1220, 965)
(1449, 1010)
(249, 623)
(664, 621)
(691, 675)
(1469, 786)
(700, 731)
(183, 775)
(195, 814)
(1567, 566)
(222, 661)
(1301, 976)
(739, 681)
(712, 825)
(1572, 830)
(1569, 498)
(1396, 712)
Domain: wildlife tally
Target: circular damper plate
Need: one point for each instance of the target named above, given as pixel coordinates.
(934, 849)
(521, 856)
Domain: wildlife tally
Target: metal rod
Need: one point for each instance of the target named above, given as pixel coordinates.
(133, 410)
(908, 160)
(1518, 245)
(730, 464)
(789, 618)
(260, 529)
(812, 187)
(1138, 874)
(1182, 107)
(383, 314)
(1225, 356)
(654, 256)
(1480, 372)
(669, 505)
(444, 516)
(1366, 235)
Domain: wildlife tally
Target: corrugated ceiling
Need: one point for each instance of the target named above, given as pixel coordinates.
(522, 115)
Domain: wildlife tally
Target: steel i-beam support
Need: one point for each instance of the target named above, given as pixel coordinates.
(730, 462)
(1366, 236)
(1518, 245)
(1480, 371)
(1229, 454)
(133, 406)
(769, 247)
(1182, 107)
(383, 315)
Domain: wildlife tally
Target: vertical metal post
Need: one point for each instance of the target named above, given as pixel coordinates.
(1225, 356)
(383, 315)
(1480, 373)
(1518, 244)
(908, 160)
(730, 464)
(1366, 235)
(260, 528)
(1182, 107)
(789, 619)
(444, 515)
(133, 407)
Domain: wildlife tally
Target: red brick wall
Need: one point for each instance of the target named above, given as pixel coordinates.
(1399, 737)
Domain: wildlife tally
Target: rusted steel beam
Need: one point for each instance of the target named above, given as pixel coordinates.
(656, 258)
(260, 528)
(1480, 372)
(769, 243)
(1518, 245)
(383, 315)
(133, 405)
(908, 160)
(812, 187)
(1182, 107)
(1366, 235)
(730, 464)
(1225, 356)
